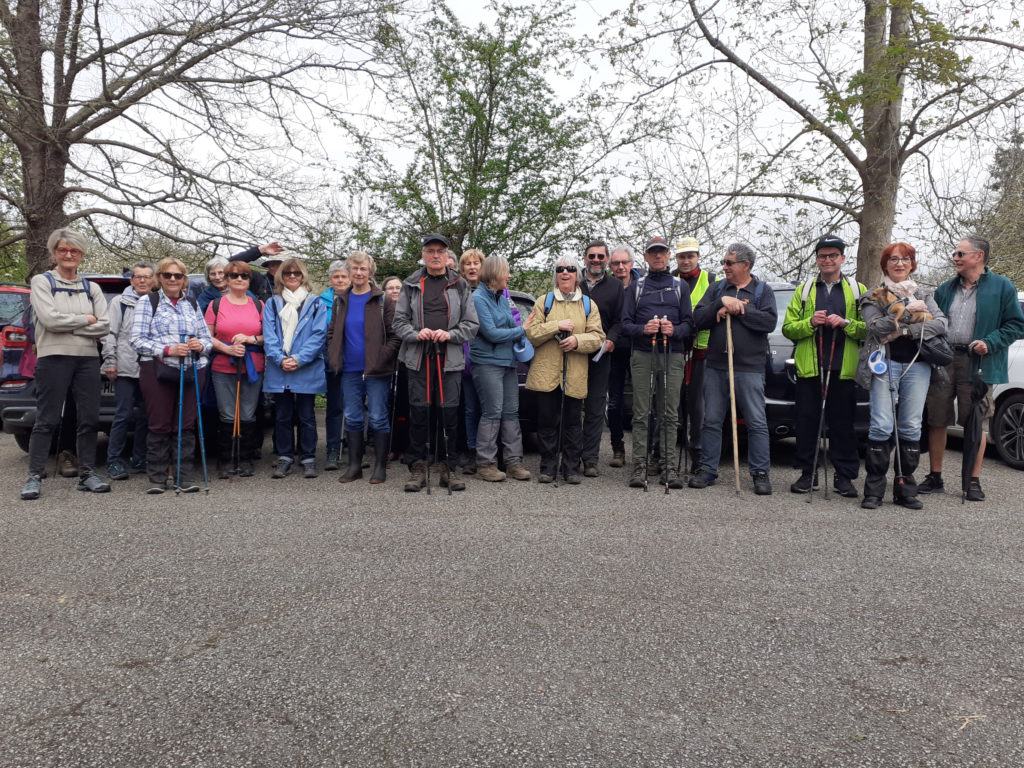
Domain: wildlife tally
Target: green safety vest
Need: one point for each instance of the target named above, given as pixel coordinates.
(695, 296)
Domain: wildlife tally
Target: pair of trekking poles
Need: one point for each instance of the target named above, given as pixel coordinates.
(199, 417)
(659, 391)
(436, 405)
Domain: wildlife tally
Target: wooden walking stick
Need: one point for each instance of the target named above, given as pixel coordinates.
(732, 402)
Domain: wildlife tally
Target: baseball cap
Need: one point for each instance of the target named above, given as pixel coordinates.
(831, 241)
(656, 242)
(688, 244)
(434, 237)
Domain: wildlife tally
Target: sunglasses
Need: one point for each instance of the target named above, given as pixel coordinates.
(236, 275)
(292, 273)
(959, 254)
(594, 256)
(172, 276)
(727, 263)
(559, 270)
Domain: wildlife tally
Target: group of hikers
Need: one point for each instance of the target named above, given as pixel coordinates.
(444, 344)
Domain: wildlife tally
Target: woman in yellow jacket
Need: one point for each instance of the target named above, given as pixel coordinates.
(564, 328)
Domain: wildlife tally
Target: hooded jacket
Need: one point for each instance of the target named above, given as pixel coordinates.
(307, 348)
(61, 323)
(117, 345)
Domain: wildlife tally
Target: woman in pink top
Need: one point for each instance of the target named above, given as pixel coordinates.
(236, 325)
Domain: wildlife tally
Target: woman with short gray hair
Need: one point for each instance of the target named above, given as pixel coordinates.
(334, 418)
(216, 282)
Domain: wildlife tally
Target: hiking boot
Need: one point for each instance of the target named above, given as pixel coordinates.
(136, 467)
(908, 502)
(282, 468)
(33, 488)
(871, 502)
(67, 465)
(762, 485)
(490, 473)
(517, 471)
(638, 478)
(468, 462)
(590, 470)
(245, 469)
(333, 460)
(116, 470)
(225, 473)
(187, 485)
(618, 458)
(573, 479)
(844, 487)
(671, 478)
(417, 477)
(309, 470)
(805, 483)
(450, 480)
(155, 488)
(974, 492)
(932, 483)
(93, 484)
(702, 479)
(544, 477)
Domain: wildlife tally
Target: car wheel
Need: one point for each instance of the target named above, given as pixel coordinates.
(22, 438)
(1007, 430)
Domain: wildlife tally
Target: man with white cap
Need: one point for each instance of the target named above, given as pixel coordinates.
(697, 279)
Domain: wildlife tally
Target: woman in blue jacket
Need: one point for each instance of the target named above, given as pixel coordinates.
(494, 375)
(294, 332)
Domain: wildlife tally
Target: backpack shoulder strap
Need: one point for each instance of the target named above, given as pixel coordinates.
(549, 300)
(854, 287)
(805, 291)
(51, 281)
(154, 299)
(586, 305)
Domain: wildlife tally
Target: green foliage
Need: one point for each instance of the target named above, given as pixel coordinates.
(1002, 220)
(495, 160)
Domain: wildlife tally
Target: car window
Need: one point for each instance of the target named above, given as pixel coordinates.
(782, 299)
(12, 307)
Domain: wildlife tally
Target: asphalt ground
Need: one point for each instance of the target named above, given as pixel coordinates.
(304, 623)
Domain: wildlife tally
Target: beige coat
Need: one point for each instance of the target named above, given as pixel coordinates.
(546, 366)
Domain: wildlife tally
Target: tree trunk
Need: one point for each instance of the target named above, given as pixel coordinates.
(881, 187)
(44, 168)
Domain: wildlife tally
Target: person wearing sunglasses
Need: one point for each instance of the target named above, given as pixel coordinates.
(294, 333)
(269, 256)
(898, 315)
(121, 366)
(658, 318)
(750, 303)
(435, 315)
(236, 327)
(70, 317)
(161, 321)
(564, 328)
(984, 320)
(825, 322)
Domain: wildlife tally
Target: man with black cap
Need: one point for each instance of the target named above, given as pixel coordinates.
(606, 292)
(824, 320)
(697, 280)
(435, 311)
(656, 312)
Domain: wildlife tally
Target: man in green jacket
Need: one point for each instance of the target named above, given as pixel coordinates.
(984, 319)
(824, 321)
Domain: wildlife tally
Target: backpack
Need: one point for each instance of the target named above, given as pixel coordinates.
(720, 285)
(549, 300)
(805, 291)
(86, 286)
(216, 311)
(677, 288)
(154, 299)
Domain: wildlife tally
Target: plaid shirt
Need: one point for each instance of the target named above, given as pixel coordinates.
(153, 333)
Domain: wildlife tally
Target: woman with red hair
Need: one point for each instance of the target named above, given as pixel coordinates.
(898, 315)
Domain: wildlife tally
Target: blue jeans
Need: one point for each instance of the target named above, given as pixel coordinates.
(498, 389)
(249, 394)
(471, 407)
(911, 392)
(129, 414)
(289, 405)
(355, 387)
(335, 411)
(749, 405)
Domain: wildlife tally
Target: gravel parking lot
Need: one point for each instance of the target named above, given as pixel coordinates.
(301, 622)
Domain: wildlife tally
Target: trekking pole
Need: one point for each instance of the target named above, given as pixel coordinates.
(199, 421)
(429, 412)
(561, 336)
(824, 427)
(393, 394)
(651, 433)
(821, 416)
(732, 401)
(181, 403)
(894, 398)
(441, 434)
(236, 428)
(664, 404)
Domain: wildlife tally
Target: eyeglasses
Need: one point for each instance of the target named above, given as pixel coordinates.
(69, 252)
(960, 254)
(829, 256)
(727, 263)
(562, 268)
(899, 260)
(172, 276)
(142, 277)
(237, 276)
(292, 273)
(621, 263)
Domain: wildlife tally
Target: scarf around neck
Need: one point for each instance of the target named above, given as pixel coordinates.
(290, 316)
(903, 290)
